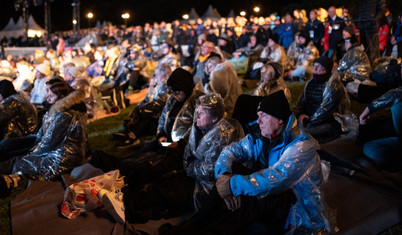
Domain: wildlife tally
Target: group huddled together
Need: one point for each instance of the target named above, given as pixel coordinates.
(224, 148)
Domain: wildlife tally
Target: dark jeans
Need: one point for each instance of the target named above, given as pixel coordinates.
(269, 214)
(11, 149)
(325, 132)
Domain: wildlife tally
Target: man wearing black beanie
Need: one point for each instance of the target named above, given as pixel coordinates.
(323, 96)
(283, 159)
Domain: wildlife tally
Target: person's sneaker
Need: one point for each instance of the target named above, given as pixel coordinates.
(128, 143)
(113, 203)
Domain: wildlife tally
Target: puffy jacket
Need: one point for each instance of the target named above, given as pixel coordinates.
(61, 140)
(334, 99)
(355, 64)
(293, 164)
(202, 151)
(18, 117)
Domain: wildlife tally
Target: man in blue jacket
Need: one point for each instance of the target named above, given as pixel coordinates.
(255, 176)
(282, 158)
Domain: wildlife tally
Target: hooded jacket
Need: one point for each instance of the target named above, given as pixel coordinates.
(18, 117)
(202, 151)
(292, 164)
(61, 141)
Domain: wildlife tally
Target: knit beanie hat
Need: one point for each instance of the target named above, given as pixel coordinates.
(181, 80)
(6, 88)
(276, 105)
(325, 62)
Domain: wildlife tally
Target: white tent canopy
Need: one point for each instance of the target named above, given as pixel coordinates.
(16, 30)
(10, 25)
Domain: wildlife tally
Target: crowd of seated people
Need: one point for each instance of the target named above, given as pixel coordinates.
(198, 107)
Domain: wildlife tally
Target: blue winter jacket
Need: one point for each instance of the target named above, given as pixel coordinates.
(293, 164)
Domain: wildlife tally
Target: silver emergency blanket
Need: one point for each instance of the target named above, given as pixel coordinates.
(206, 144)
(184, 119)
(223, 80)
(201, 153)
(302, 56)
(62, 142)
(390, 98)
(298, 168)
(171, 60)
(278, 54)
(355, 64)
(271, 86)
(18, 116)
(153, 103)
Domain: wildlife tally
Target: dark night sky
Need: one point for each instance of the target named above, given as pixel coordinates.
(158, 10)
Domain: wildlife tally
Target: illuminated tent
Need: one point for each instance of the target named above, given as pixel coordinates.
(17, 30)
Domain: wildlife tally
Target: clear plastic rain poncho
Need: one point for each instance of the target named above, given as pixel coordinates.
(271, 86)
(387, 100)
(153, 103)
(299, 56)
(294, 164)
(61, 141)
(18, 116)
(355, 64)
(184, 119)
(224, 81)
(203, 148)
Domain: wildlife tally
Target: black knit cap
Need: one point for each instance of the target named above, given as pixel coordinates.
(276, 105)
(325, 62)
(181, 80)
(6, 88)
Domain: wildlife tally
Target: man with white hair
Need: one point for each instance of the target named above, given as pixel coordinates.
(38, 93)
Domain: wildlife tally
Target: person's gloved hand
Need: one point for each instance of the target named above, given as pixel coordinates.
(223, 188)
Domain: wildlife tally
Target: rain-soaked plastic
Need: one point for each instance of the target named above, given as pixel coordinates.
(18, 116)
(272, 86)
(184, 119)
(390, 98)
(296, 166)
(335, 101)
(153, 103)
(202, 150)
(298, 56)
(224, 81)
(61, 147)
(355, 64)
